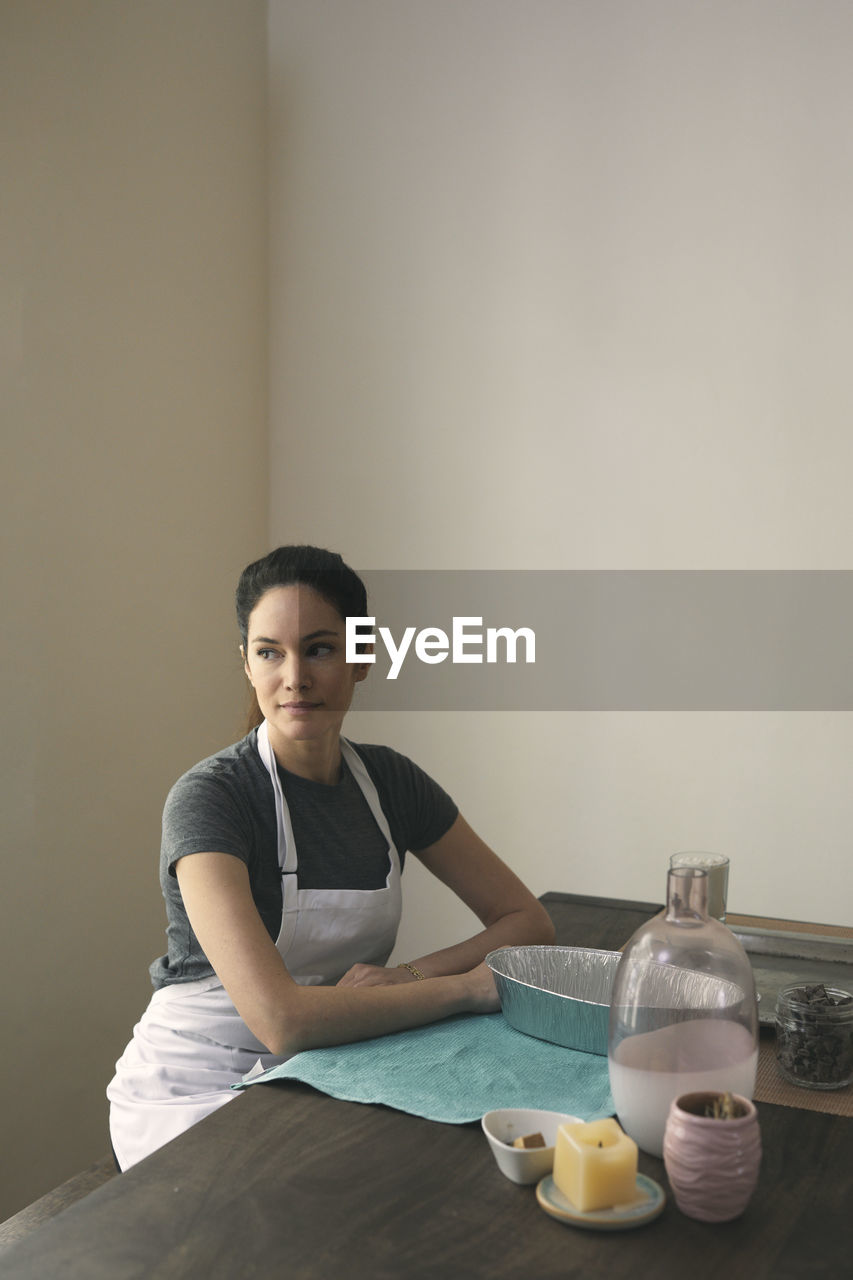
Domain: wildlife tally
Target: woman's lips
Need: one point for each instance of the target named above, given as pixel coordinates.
(300, 708)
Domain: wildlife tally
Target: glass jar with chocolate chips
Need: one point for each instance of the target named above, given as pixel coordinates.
(814, 1036)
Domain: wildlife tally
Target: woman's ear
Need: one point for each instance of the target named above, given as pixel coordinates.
(246, 666)
(361, 670)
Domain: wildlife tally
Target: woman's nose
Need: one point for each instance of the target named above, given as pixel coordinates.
(296, 676)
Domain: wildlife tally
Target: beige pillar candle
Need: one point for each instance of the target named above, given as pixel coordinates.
(595, 1165)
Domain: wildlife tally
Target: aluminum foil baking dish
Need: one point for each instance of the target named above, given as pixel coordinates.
(561, 994)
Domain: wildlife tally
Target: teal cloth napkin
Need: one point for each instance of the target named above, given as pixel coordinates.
(454, 1071)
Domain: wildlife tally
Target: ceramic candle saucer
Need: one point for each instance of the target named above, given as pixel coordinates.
(650, 1201)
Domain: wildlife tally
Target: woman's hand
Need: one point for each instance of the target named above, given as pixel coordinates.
(374, 975)
(479, 983)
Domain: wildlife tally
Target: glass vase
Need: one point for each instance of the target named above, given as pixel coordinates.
(683, 1012)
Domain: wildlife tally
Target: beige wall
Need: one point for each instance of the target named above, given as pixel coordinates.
(133, 357)
(568, 285)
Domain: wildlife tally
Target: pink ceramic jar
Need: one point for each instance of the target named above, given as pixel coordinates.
(712, 1164)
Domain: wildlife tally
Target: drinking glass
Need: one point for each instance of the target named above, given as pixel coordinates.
(717, 867)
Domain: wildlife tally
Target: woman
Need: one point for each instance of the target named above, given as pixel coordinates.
(280, 866)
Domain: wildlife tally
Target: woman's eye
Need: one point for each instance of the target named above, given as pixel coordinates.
(320, 650)
(266, 654)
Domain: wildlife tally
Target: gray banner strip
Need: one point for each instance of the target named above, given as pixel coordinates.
(613, 640)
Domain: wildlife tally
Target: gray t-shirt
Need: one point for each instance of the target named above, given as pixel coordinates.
(225, 804)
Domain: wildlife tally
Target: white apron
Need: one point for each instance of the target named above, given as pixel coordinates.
(191, 1045)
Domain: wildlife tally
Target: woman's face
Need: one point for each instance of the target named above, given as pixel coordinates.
(296, 661)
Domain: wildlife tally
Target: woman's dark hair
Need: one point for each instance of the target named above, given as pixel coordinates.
(324, 571)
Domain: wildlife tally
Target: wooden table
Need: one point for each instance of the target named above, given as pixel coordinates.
(285, 1181)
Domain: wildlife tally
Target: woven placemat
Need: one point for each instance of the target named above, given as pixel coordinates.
(770, 1086)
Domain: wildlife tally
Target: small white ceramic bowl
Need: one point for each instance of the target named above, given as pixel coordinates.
(523, 1165)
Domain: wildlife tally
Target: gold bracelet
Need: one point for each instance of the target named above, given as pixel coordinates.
(413, 970)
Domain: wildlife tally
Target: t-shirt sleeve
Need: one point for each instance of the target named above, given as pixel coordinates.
(203, 814)
(419, 810)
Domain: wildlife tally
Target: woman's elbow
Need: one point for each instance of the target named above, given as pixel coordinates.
(547, 935)
(290, 1035)
(279, 1043)
(284, 1042)
(284, 1031)
(542, 927)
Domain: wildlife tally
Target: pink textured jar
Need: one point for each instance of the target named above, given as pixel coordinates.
(712, 1164)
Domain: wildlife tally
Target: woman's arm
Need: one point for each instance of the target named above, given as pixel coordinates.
(508, 911)
(285, 1016)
